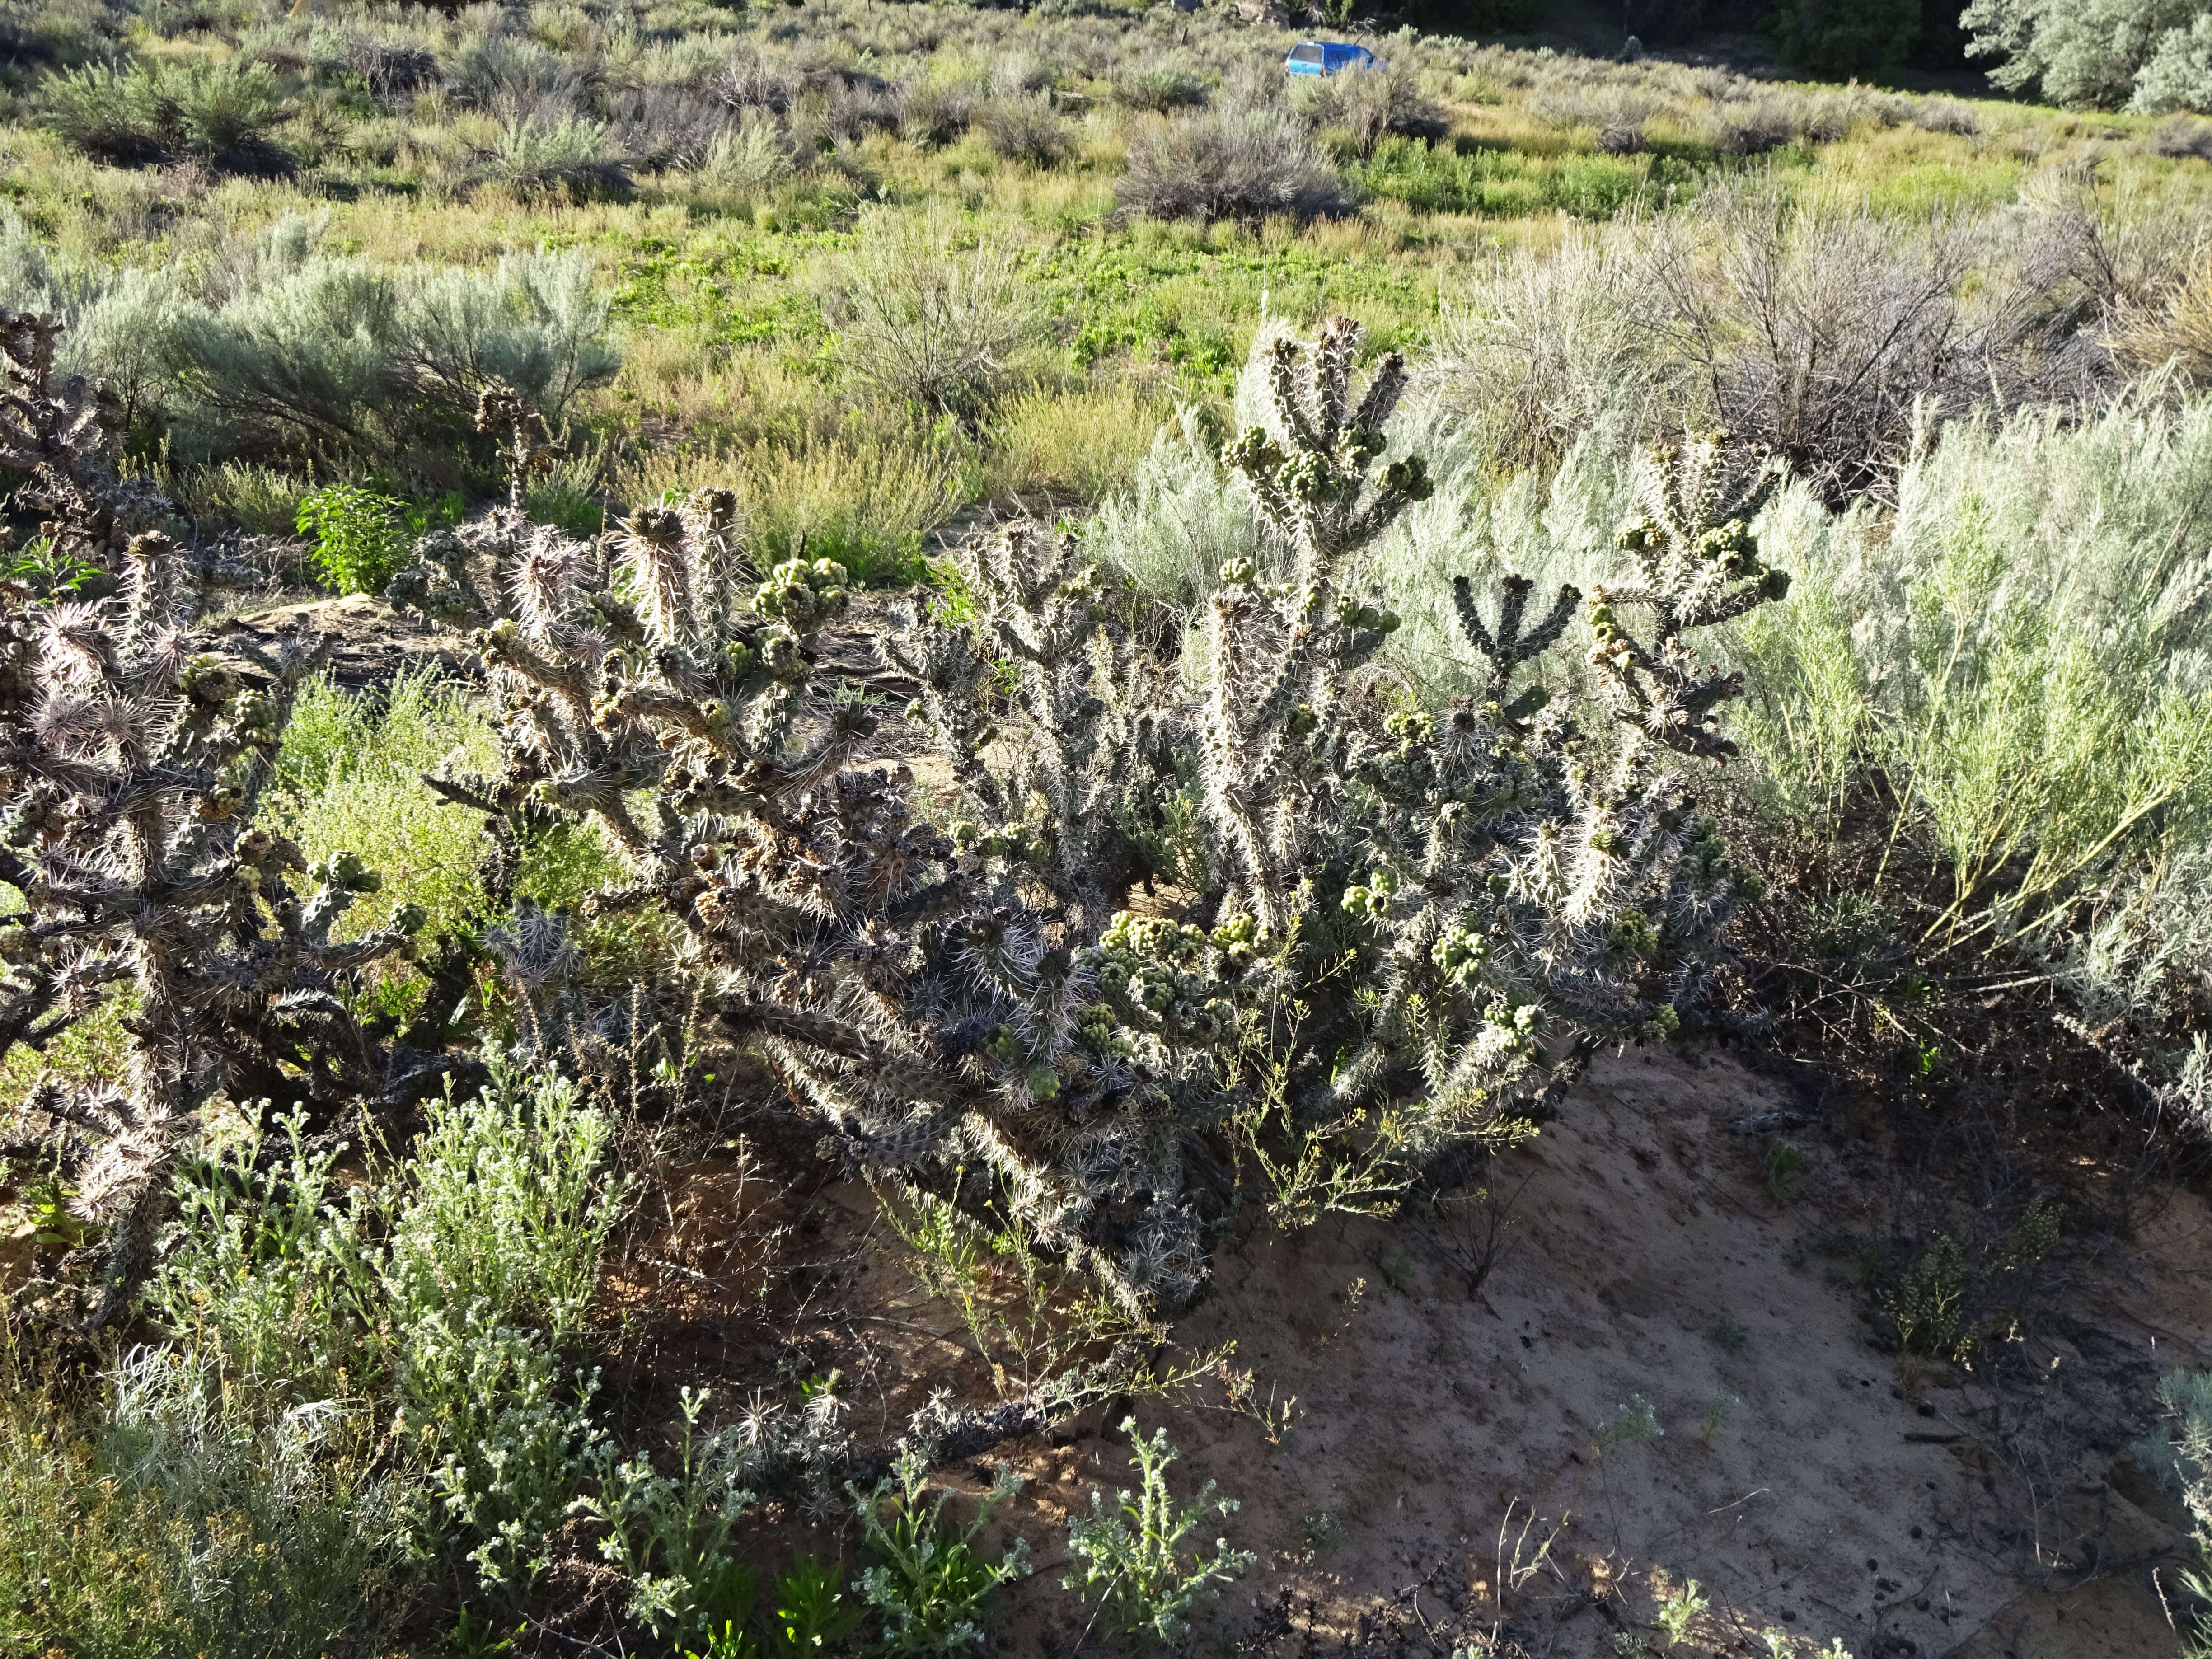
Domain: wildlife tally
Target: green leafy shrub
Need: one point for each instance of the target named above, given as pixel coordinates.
(810, 1615)
(1677, 1613)
(569, 156)
(1929, 1307)
(361, 543)
(670, 1533)
(1133, 1558)
(110, 112)
(510, 1207)
(221, 111)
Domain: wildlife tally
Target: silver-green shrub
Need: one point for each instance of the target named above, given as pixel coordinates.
(533, 322)
(1224, 163)
(441, 1304)
(282, 347)
(1134, 1556)
(2021, 649)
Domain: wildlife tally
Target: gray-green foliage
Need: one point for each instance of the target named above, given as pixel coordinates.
(2187, 1397)
(928, 1583)
(510, 1205)
(442, 1298)
(284, 347)
(2023, 650)
(670, 1533)
(2104, 54)
(534, 323)
(917, 322)
(2178, 74)
(1244, 163)
(1175, 527)
(1553, 526)
(219, 111)
(165, 1523)
(570, 155)
(1135, 1558)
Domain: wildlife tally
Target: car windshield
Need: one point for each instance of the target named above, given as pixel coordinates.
(1306, 54)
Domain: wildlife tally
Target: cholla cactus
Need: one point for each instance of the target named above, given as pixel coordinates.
(1526, 900)
(525, 447)
(930, 995)
(1056, 743)
(132, 766)
(51, 434)
(1699, 562)
(983, 990)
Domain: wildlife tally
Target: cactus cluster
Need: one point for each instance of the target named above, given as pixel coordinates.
(924, 992)
(1423, 918)
(132, 761)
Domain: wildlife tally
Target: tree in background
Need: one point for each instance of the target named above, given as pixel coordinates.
(2146, 54)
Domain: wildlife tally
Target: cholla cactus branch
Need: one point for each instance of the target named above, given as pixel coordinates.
(1699, 566)
(133, 763)
(1278, 652)
(51, 434)
(526, 448)
(1508, 647)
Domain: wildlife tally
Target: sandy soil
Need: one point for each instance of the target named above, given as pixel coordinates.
(1808, 1483)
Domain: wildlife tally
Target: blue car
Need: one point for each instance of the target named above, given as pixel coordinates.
(1327, 58)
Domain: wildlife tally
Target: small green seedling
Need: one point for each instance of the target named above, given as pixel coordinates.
(1678, 1612)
